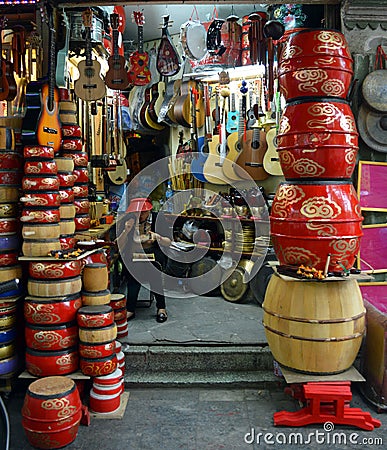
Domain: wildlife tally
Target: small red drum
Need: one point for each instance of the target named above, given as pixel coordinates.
(9, 258)
(95, 367)
(71, 131)
(40, 215)
(81, 174)
(117, 301)
(40, 167)
(95, 316)
(315, 62)
(72, 143)
(80, 158)
(51, 337)
(66, 179)
(66, 195)
(112, 378)
(82, 222)
(82, 205)
(88, 350)
(32, 183)
(10, 177)
(43, 270)
(48, 363)
(120, 314)
(311, 220)
(10, 160)
(51, 412)
(113, 389)
(10, 225)
(38, 151)
(37, 198)
(104, 403)
(54, 310)
(81, 190)
(67, 242)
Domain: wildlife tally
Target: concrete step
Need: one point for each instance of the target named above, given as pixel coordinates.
(197, 365)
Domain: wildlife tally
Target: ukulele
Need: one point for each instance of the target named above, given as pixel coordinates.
(234, 143)
(116, 77)
(232, 116)
(168, 60)
(157, 98)
(250, 115)
(213, 167)
(139, 73)
(8, 87)
(62, 71)
(41, 123)
(89, 86)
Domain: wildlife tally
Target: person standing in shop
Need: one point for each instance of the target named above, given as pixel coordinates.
(136, 243)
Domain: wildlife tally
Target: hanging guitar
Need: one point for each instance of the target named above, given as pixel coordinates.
(8, 87)
(198, 162)
(41, 123)
(139, 73)
(271, 161)
(168, 60)
(62, 71)
(89, 86)
(118, 176)
(232, 116)
(117, 76)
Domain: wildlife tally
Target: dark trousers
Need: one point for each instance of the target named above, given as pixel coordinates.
(155, 281)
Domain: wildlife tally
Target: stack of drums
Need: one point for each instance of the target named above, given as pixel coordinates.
(50, 310)
(120, 356)
(105, 395)
(315, 216)
(118, 303)
(97, 334)
(95, 280)
(41, 201)
(67, 207)
(72, 147)
(51, 412)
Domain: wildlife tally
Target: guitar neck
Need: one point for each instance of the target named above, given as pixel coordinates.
(51, 68)
(89, 61)
(115, 43)
(140, 34)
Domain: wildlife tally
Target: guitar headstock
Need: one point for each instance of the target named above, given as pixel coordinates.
(87, 18)
(3, 22)
(138, 18)
(166, 22)
(114, 21)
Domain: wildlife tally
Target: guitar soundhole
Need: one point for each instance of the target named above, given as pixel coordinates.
(255, 144)
(140, 62)
(89, 72)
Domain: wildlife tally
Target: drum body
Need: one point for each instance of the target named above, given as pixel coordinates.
(311, 220)
(315, 63)
(314, 327)
(317, 139)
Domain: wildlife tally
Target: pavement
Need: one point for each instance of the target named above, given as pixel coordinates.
(209, 416)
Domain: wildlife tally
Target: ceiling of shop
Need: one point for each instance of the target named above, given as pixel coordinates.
(179, 14)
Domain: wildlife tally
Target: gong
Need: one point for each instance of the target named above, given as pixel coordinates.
(374, 90)
(235, 286)
(372, 127)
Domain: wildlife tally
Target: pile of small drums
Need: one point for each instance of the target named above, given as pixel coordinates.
(72, 147)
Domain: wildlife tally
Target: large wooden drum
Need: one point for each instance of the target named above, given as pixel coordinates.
(314, 327)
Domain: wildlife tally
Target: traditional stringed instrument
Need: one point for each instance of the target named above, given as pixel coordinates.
(213, 167)
(89, 86)
(117, 76)
(271, 161)
(249, 162)
(62, 71)
(41, 123)
(8, 87)
(182, 107)
(157, 98)
(168, 60)
(232, 115)
(139, 73)
(118, 176)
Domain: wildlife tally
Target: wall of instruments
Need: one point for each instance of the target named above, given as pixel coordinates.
(210, 89)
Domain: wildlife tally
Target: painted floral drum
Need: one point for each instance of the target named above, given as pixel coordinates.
(311, 220)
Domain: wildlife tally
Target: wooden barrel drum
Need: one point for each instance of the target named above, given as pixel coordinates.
(314, 327)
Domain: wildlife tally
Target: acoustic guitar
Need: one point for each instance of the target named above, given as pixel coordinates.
(89, 86)
(271, 161)
(8, 87)
(197, 165)
(117, 76)
(250, 159)
(183, 107)
(213, 167)
(168, 60)
(139, 73)
(162, 116)
(41, 123)
(157, 97)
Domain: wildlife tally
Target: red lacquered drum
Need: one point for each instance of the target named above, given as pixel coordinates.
(51, 412)
(8, 258)
(40, 214)
(38, 151)
(47, 363)
(9, 225)
(66, 195)
(10, 160)
(104, 403)
(72, 143)
(82, 222)
(67, 242)
(317, 139)
(48, 182)
(117, 301)
(80, 158)
(71, 131)
(81, 190)
(120, 314)
(81, 174)
(10, 177)
(43, 199)
(52, 310)
(95, 367)
(54, 270)
(95, 316)
(96, 257)
(82, 205)
(101, 389)
(66, 179)
(311, 220)
(51, 337)
(315, 63)
(110, 379)
(40, 167)
(88, 350)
